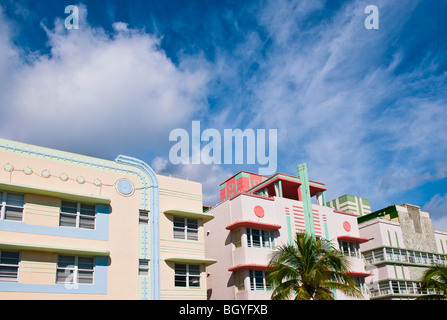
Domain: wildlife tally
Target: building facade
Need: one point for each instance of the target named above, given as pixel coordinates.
(258, 213)
(352, 204)
(402, 245)
(77, 227)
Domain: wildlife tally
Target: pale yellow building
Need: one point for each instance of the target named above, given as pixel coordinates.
(77, 227)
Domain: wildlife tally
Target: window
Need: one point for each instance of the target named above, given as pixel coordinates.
(75, 270)
(186, 228)
(11, 206)
(260, 238)
(9, 265)
(360, 283)
(258, 281)
(143, 268)
(187, 275)
(77, 215)
(144, 217)
(350, 249)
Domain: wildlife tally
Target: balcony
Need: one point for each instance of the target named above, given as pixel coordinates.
(397, 288)
(396, 255)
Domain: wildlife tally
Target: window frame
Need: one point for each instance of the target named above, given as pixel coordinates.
(143, 267)
(75, 268)
(255, 285)
(78, 215)
(188, 276)
(4, 205)
(349, 248)
(264, 235)
(19, 260)
(185, 229)
(143, 217)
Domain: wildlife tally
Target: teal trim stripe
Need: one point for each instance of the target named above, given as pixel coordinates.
(326, 231)
(305, 197)
(154, 221)
(359, 204)
(289, 229)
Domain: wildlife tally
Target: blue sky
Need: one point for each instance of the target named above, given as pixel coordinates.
(366, 109)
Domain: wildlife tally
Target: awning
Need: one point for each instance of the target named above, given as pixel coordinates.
(253, 224)
(251, 266)
(204, 261)
(352, 239)
(190, 214)
(359, 274)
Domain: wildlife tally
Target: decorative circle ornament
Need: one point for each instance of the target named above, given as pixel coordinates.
(80, 179)
(347, 226)
(46, 173)
(97, 182)
(125, 187)
(259, 211)
(8, 167)
(27, 171)
(63, 177)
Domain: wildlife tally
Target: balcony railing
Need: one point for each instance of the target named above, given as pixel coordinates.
(403, 256)
(399, 288)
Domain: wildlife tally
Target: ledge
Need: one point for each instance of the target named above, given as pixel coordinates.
(50, 248)
(251, 266)
(359, 274)
(190, 214)
(13, 187)
(347, 213)
(253, 224)
(204, 261)
(352, 239)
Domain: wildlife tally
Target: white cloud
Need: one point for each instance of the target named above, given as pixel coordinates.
(440, 223)
(98, 93)
(326, 86)
(159, 164)
(322, 85)
(210, 176)
(437, 207)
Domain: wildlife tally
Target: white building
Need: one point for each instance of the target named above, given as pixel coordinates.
(402, 245)
(258, 213)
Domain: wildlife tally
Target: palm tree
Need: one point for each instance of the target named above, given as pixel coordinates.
(434, 280)
(309, 269)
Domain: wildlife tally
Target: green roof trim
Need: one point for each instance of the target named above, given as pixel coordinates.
(390, 210)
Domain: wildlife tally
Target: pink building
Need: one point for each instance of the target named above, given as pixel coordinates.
(258, 213)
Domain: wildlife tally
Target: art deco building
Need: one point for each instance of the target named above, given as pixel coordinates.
(258, 213)
(77, 227)
(403, 244)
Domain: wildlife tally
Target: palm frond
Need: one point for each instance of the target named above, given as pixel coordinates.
(309, 269)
